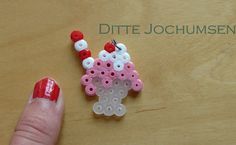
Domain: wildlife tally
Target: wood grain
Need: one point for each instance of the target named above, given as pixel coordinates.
(189, 97)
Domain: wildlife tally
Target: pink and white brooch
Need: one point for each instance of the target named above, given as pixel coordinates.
(110, 76)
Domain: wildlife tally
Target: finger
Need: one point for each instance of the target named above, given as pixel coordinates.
(41, 119)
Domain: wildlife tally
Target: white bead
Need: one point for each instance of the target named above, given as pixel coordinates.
(88, 63)
(98, 108)
(125, 57)
(104, 55)
(114, 56)
(109, 110)
(122, 92)
(120, 110)
(115, 101)
(118, 65)
(81, 45)
(122, 48)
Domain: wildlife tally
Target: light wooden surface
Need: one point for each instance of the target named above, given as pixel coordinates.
(189, 96)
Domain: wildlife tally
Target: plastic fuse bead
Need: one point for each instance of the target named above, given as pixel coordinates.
(110, 76)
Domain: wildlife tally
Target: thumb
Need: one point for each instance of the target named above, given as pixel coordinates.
(41, 120)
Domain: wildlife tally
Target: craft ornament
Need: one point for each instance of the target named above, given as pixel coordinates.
(110, 76)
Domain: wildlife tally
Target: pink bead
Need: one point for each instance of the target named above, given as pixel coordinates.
(90, 90)
(133, 75)
(106, 82)
(85, 80)
(129, 66)
(122, 75)
(137, 85)
(102, 73)
(98, 63)
(112, 74)
(108, 65)
(92, 72)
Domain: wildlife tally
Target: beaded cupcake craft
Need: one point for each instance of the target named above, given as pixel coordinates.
(110, 76)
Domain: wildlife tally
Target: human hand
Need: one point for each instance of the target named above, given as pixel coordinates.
(41, 119)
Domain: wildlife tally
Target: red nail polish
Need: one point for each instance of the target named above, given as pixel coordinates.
(46, 88)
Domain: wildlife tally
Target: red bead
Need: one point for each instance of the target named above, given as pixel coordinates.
(76, 36)
(83, 54)
(109, 47)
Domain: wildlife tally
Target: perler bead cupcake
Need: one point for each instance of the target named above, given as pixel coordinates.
(110, 76)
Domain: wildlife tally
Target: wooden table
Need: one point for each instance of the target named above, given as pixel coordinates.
(189, 97)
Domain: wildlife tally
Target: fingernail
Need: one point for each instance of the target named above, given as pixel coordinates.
(46, 88)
